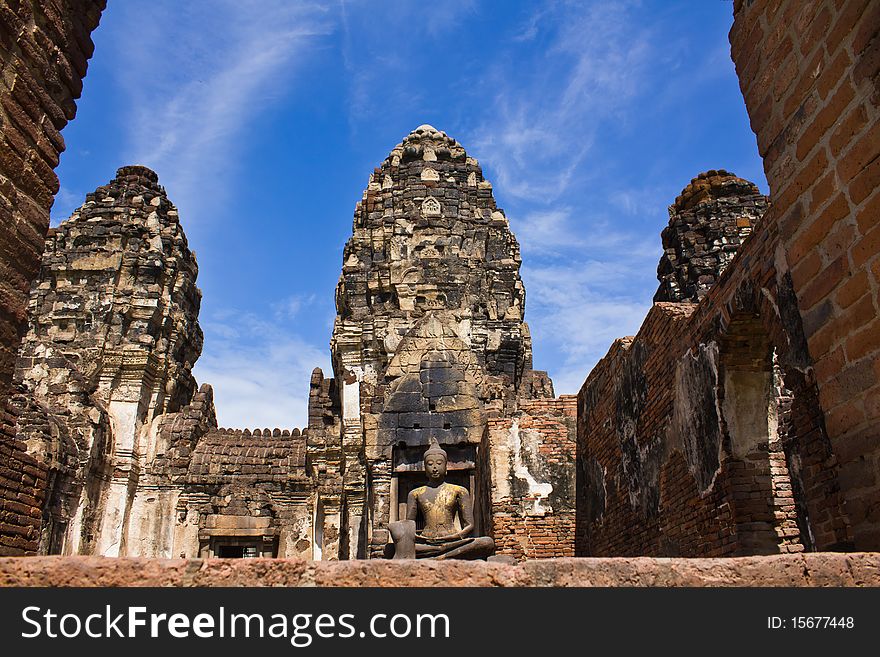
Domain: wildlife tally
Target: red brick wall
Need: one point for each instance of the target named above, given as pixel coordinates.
(23, 484)
(809, 74)
(44, 50)
(658, 466)
(520, 528)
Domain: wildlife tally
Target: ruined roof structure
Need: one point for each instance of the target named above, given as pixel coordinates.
(118, 285)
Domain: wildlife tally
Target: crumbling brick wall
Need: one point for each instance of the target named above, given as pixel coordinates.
(668, 439)
(44, 51)
(682, 429)
(809, 73)
(533, 479)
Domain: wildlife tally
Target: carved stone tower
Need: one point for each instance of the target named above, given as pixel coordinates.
(429, 337)
(111, 342)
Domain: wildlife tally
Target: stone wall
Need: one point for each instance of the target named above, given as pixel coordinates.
(809, 73)
(44, 52)
(533, 479)
(325, 455)
(822, 569)
(702, 435)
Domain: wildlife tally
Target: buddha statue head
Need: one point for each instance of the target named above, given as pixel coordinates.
(435, 463)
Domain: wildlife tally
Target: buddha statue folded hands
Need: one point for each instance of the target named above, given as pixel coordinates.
(438, 503)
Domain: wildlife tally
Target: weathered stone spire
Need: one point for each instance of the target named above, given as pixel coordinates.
(118, 283)
(428, 240)
(429, 334)
(112, 339)
(707, 224)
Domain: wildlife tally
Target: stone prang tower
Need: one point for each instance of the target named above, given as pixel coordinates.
(707, 224)
(112, 338)
(429, 337)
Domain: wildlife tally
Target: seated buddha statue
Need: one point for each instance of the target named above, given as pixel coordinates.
(437, 503)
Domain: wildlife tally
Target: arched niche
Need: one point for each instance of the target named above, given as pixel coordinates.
(435, 402)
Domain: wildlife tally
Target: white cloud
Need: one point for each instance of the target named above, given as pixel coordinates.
(547, 231)
(588, 274)
(550, 233)
(259, 369)
(642, 202)
(290, 307)
(381, 45)
(196, 76)
(589, 325)
(546, 114)
(579, 310)
(578, 305)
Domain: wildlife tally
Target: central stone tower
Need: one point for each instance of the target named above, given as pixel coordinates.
(429, 339)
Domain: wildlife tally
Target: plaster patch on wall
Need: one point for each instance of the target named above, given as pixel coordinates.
(524, 445)
(749, 411)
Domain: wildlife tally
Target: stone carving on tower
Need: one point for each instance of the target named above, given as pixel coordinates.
(429, 337)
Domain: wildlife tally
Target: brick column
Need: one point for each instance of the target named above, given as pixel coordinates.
(44, 52)
(809, 73)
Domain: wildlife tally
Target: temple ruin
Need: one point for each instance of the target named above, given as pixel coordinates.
(741, 419)
(429, 343)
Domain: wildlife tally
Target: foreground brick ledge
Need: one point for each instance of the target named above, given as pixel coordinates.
(814, 569)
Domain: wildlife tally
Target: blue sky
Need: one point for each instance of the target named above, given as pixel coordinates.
(264, 119)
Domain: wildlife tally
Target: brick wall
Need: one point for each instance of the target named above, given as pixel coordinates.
(533, 479)
(809, 74)
(747, 423)
(44, 50)
(23, 484)
(671, 459)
